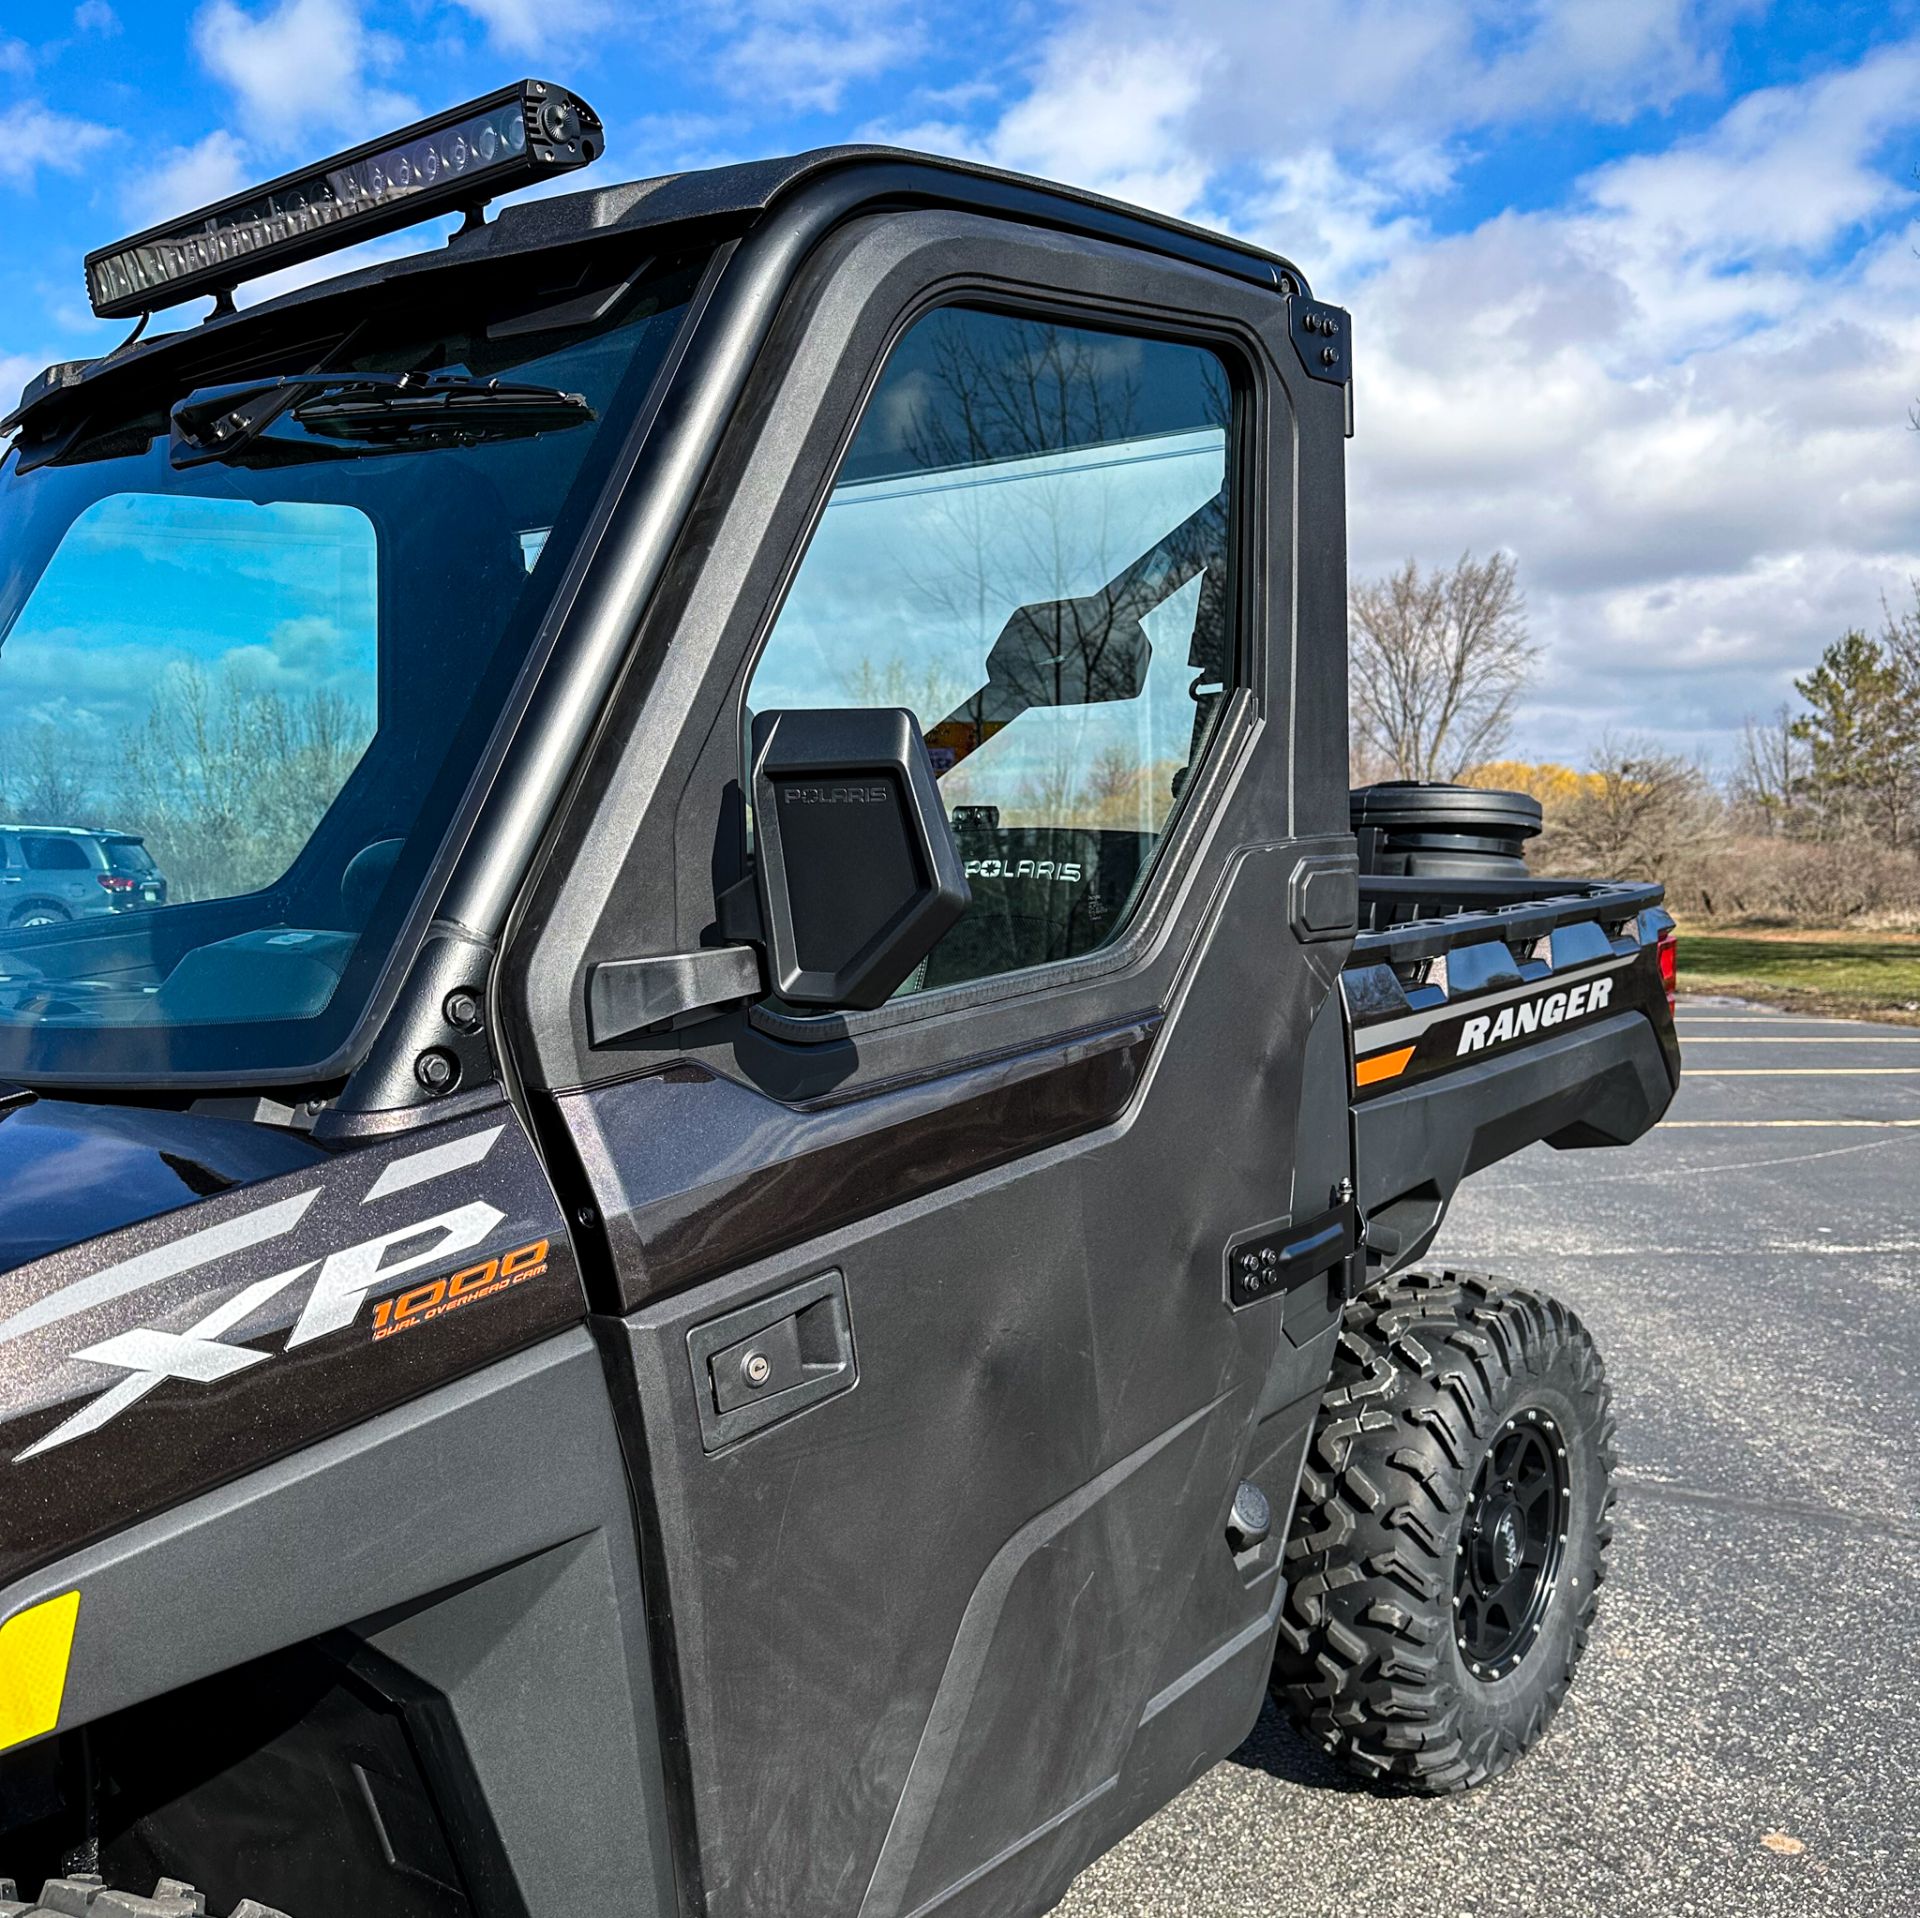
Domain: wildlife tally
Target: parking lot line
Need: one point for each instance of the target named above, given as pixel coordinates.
(1802, 1039)
(1765, 1019)
(1803, 1072)
(1719, 1125)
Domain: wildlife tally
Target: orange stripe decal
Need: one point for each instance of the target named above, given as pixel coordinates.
(1383, 1065)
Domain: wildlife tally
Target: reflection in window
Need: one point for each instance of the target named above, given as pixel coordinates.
(1027, 548)
(192, 680)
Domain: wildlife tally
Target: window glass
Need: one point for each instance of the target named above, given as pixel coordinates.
(1027, 547)
(129, 856)
(205, 667)
(253, 678)
(55, 855)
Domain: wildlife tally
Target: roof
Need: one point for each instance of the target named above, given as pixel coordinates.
(736, 195)
(78, 832)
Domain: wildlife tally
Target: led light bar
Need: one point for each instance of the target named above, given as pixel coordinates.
(456, 161)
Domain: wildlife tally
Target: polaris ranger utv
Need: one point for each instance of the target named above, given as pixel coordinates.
(741, 1242)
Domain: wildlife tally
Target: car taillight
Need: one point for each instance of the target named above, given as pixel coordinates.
(115, 882)
(1669, 954)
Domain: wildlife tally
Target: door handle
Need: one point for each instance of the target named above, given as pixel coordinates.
(771, 1360)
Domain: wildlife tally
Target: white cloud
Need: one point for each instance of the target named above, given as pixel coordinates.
(95, 16)
(16, 369)
(1111, 117)
(300, 65)
(1680, 396)
(802, 55)
(1697, 444)
(187, 177)
(794, 54)
(532, 26)
(33, 136)
(1382, 78)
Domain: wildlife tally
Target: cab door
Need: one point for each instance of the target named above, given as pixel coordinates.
(937, 1389)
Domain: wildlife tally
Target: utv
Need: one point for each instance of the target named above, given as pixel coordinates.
(742, 1244)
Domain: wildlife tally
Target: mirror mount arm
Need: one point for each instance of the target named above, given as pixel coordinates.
(628, 997)
(737, 911)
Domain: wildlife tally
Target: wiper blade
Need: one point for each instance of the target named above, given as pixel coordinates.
(441, 409)
(399, 410)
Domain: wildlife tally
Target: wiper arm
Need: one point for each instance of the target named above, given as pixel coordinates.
(453, 409)
(370, 409)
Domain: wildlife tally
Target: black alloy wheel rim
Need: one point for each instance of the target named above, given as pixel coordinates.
(1513, 1545)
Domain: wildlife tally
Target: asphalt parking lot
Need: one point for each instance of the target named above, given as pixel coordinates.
(1744, 1736)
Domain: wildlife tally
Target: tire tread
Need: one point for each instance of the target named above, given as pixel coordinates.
(1364, 1662)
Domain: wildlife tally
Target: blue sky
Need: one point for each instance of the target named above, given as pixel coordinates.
(1635, 281)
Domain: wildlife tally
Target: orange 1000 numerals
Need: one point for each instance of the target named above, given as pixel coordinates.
(437, 1297)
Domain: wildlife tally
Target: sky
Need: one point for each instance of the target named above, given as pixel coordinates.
(1635, 283)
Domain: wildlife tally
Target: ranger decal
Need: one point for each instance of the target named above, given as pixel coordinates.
(1533, 1015)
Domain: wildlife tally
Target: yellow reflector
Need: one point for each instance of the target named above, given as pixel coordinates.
(34, 1648)
(1383, 1065)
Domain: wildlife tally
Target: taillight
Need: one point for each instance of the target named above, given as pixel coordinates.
(1669, 955)
(115, 882)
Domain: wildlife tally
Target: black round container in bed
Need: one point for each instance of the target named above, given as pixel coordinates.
(1419, 829)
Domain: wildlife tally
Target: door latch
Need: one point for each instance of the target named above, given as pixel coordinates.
(769, 1360)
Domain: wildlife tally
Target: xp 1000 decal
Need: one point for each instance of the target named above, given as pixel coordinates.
(144, 1366)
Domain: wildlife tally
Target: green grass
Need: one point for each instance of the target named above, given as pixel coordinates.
(1859, 976)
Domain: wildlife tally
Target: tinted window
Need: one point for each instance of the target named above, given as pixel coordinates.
(277, 665)
(204, 669)
(55, 855)
(129, 856)
(1028, 548)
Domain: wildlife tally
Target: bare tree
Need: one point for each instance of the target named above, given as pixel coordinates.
(1769, 783)
(1641, 814)
(48, 785)
(1439, 661)
(228, 779)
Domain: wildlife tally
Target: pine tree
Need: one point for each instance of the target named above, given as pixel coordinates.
(1863, 740)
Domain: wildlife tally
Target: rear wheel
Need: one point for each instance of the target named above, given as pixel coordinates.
(40, 913)
(1451, 1531)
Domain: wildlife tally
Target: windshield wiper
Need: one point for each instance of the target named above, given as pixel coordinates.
(398, 411)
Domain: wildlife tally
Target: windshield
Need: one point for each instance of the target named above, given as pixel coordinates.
(250, 650)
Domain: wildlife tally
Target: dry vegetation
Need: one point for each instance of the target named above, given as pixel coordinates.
(224, 778)
(1818, 824)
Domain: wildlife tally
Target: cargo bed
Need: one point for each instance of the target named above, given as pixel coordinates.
(1486, 1014)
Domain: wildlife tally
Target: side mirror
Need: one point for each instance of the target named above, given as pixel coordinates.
(1069, 652)
(856, 872)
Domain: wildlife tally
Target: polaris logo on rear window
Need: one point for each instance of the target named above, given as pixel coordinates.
(1533, 1015)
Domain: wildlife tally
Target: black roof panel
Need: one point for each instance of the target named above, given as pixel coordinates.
(733, 194)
